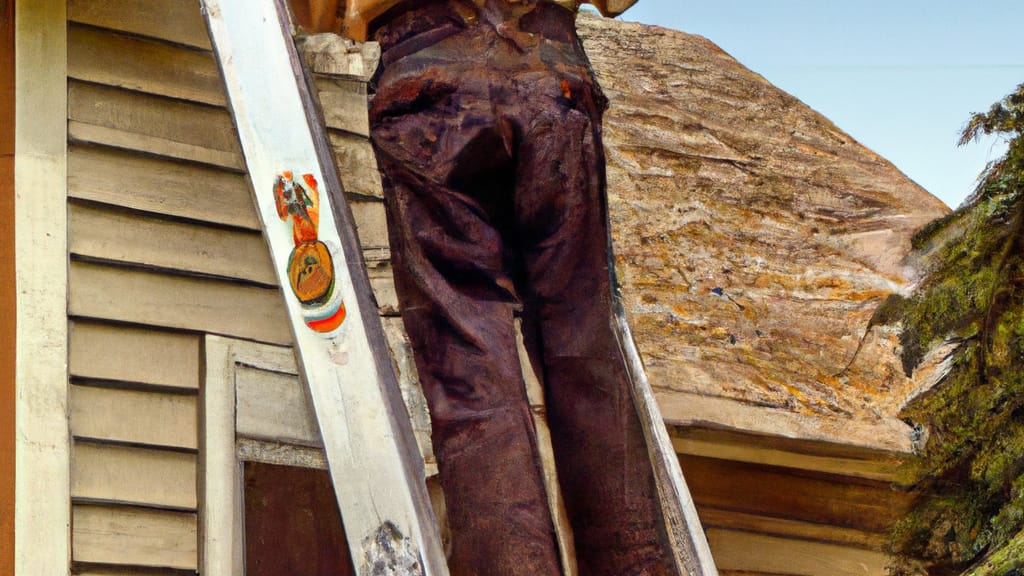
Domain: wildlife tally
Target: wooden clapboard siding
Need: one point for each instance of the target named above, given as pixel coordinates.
(759, 553)
(156, 299)
(870, 506)
(743, 573)
(98, 56)
(133, 238)
(382, 281)
(153, 124)
(135, 355)
(138, 417)
(781, 527)
(124, 535)
(356, 164)
(178, 21)
(344, 104)
(371, 223)
(273, 406)
(789, 453)
(165, 247)
(86, 570)
(160, 186)
(131, 475)
(83, 132)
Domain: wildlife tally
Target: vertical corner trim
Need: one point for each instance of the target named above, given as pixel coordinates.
(42, 445)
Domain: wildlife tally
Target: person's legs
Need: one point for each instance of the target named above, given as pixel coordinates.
(603, 465)
(489, 143)
(444, 164)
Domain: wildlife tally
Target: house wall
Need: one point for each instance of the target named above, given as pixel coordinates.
(164, 248)
(8, 300)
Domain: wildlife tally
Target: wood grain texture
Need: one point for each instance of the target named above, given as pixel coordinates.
(134, 238)
(249, 450)
(137, 417)
(371, 224)
(746, 551)
(687, 409)
(153, 124)
(86, 570)
(8, 291)
(220, 500)
(178, 21)
(790, 453)
(142, 297)
(767, 525)
(81, 132)
(129, 571)
(134, 536)
(782, 493)
(160, 186)
(412, 394)
(133, 354)
(143, 65)
(356, 164)
(129, 475)
(42, 451)
(273, 406)
(382, 281)
(344, 104)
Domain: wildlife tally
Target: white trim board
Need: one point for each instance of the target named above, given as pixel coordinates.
(42, 545)
(253, 408)
(221, 549)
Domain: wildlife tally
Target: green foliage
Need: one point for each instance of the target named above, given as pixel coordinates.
(1004, 118)
(970, 514)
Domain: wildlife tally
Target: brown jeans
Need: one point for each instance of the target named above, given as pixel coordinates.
(487, 127)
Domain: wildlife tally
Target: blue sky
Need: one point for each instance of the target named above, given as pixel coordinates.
(900, 76)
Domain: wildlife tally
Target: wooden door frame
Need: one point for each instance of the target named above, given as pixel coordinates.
(42, 540)
(225, 445)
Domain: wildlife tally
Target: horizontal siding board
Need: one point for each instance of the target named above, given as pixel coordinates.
(750, 552)
(134, 416)
(356, 163)
(273, 406)
(382, 281)
(250, 450)
(371, 223)
(143, 65)
(735, 520)
(135, 537)
(137, 355)
(794, 495)
(126, 571)
(344, 104)
(155, 299)
(80, 132)
(178, 21)
(759, 450)
(160, 186)
(153, 124)
(158, 478)
(133, 238)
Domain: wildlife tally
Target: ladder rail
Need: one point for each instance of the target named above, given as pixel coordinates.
(372, 455)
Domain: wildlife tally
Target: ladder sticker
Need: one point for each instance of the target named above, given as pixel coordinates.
(310, 267)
